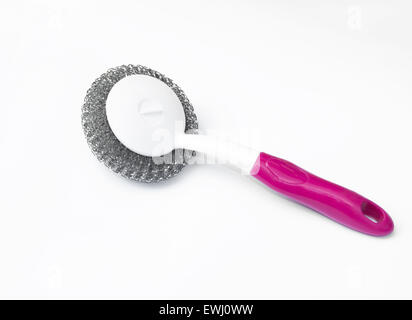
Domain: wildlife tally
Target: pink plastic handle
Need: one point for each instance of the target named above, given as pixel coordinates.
(332, 200)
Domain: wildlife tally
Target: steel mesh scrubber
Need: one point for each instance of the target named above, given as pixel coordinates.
(109, 150)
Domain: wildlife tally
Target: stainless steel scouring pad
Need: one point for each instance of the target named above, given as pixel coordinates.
(108, 149)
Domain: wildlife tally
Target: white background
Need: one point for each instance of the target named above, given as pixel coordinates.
(326, 86)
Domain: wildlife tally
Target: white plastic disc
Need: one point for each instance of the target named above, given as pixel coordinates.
(145, 115)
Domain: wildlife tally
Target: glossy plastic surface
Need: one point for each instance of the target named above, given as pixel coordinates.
(332, 200)
(145, 114)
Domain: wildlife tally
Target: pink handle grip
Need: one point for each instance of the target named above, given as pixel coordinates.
(333, 201)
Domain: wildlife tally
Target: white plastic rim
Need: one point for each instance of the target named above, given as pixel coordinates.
(145, 115)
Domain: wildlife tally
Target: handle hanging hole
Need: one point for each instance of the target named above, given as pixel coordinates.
(372, 211)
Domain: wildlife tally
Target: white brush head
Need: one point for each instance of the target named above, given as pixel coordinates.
(145, 115)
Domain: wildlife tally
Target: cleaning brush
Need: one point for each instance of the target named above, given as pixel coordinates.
(141, 125)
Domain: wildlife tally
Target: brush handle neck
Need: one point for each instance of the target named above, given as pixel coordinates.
(218, 151)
